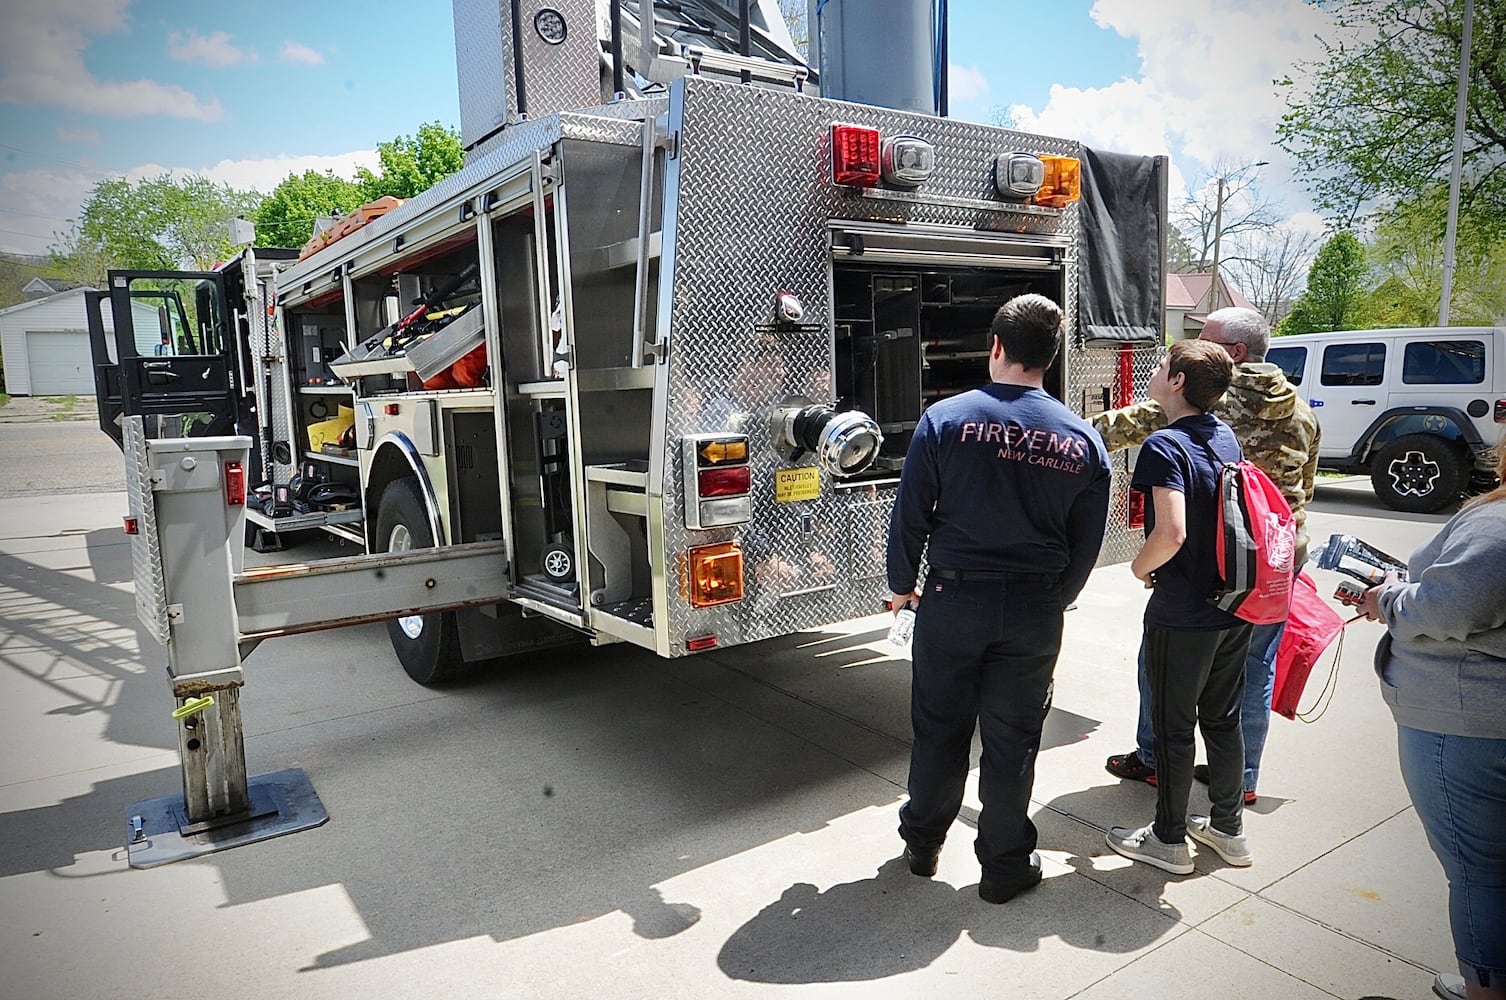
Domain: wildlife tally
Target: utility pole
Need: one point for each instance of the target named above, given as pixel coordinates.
(1451, 230)
(1218, 227)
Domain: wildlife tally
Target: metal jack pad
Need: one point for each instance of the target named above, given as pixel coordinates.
(158, 831)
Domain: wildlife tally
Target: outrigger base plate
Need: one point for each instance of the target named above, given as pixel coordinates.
(158, 831)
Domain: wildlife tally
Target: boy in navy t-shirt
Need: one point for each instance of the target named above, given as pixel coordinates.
(1194, 652)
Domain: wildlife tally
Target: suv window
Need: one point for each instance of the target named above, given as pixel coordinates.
(1353, 364)
(1443, 362)
(1291, 360)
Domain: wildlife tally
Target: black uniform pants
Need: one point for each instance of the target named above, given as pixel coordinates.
(1197, 679)
(984, 653)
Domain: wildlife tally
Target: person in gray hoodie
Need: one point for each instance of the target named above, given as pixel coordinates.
(1442, 669)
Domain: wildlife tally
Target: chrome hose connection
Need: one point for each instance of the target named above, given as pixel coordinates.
(844, 443)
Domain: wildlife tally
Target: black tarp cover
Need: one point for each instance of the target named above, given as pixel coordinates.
(1120, 285)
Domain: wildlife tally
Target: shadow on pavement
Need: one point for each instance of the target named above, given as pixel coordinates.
(59, 629)
(895, 923)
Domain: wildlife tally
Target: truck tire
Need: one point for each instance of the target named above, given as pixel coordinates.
(1418, 473)
(428, 646)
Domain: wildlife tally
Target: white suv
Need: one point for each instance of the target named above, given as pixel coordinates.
(1420, 410)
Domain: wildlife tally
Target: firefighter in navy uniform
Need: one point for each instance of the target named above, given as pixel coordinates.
(1011, 491)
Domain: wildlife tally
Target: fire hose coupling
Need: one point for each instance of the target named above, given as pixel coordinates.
(844, 443)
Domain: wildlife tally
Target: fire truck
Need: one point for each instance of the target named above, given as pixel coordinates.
(697, 328)
(645, 370)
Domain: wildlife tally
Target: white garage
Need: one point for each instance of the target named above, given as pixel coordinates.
(59, 363)
(46, 344)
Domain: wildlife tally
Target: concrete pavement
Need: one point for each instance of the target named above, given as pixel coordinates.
(602, 822)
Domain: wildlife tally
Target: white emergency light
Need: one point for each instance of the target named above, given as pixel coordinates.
(907, 160)
(1018, 176)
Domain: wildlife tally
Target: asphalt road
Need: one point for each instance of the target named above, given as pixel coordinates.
(57, 457)
(603, 822)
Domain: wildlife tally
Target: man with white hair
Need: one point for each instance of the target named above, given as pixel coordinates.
(1279, 433)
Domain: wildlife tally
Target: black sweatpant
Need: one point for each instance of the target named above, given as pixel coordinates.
(1197, 679)
(983, 657)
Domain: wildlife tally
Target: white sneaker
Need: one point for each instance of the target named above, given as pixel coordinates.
(1448, 986)
(1143, 845)
(1231, 847)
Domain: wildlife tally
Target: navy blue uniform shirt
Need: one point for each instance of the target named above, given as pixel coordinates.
(1174, 457)
(1004, 479)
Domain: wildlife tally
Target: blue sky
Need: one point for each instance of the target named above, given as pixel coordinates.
(96, 88)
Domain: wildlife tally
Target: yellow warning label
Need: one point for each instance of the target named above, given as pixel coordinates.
(797, 484)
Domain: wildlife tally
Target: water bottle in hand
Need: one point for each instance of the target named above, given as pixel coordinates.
(903, 627)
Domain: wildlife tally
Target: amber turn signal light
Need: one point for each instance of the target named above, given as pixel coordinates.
(713, 574)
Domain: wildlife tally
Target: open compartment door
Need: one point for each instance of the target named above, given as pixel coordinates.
(176, 353)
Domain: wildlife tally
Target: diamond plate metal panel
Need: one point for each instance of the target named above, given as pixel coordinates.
(557, 77)
(750, 209)
(1091, 370)
(612, 123)
(146, 554)
(270, 380)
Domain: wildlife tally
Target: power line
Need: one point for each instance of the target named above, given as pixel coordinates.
(66, 163)
(34, 215)
(35, 236)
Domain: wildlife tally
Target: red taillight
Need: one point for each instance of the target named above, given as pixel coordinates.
(1136, 509)
(725, 482)
(1501, 411)
(132, 526)
(391, 409)
(235, 484)
(700, 642)
(855, 155)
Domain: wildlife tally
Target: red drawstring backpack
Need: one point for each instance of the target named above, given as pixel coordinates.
(1311, 627)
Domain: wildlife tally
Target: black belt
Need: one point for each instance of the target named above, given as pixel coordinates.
(992, 575)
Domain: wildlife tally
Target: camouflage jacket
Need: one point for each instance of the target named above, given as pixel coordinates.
(1277, 431)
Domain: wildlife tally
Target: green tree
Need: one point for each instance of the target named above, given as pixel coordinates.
(1181, 258)
(286, 218)
(410, 164)
(1373, 121)
(1407, 253)
(160, 223)
(1336, 289)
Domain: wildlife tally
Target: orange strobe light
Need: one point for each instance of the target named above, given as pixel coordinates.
(714, 574)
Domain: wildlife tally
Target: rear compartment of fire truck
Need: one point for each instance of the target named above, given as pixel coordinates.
(907, 337)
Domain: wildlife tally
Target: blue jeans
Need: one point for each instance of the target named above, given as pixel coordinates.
(1254, 710)
(1458, 786)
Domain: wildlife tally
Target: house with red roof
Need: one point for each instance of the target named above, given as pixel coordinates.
(1189, 301)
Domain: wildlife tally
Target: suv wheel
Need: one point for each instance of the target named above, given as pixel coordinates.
(1418, 473)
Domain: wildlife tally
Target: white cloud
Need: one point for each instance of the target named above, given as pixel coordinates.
(42, 52)
(49, 197)
(966, 83)
(84, 135)
(211, 50)
(265, 174)
(297, 52)
(1204, 92)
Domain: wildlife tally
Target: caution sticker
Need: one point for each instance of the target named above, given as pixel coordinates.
(803, 483)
